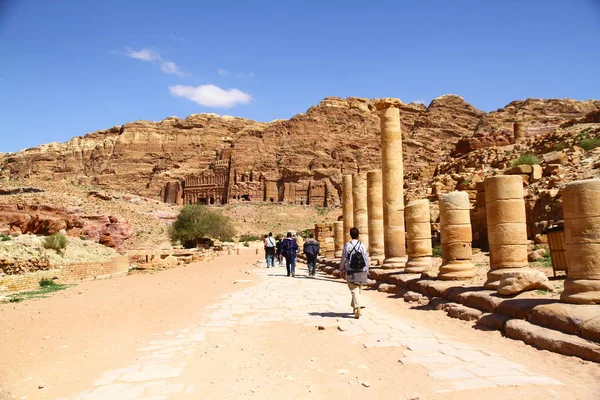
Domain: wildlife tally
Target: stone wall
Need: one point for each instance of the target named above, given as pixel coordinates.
(66, 274)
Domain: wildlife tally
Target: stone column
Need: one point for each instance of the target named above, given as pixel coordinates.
(456, 237)
(518, 131)
(581, 207)
(418, 230)
(338, 238)
(347, 206)
(392, 175)
(507, 226)
(375, 212)
(359, 200)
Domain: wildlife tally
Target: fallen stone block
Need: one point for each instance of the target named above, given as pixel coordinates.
(438, 303)
(464, 313)
(371, 283)
(552, 340)
(514, 282)
(492, 320)
(387, 288)
(590, 329)
(410, 297)
(520, 308)
(453, 292)
(437, 288)
(484, 300)
(566, 318)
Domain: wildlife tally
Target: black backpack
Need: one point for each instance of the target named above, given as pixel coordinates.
(357, 261)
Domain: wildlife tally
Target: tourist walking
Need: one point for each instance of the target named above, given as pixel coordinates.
(278, 250)
(289, 249)
(311, 251)
(270, 250)
(354, 267)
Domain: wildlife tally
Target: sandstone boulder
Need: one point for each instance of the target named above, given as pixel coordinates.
(513, 282)
(552, 340)
(568, 318)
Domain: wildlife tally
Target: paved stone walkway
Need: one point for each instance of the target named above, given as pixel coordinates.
(452, 365)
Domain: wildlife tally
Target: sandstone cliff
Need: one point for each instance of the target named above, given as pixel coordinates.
(334, 137)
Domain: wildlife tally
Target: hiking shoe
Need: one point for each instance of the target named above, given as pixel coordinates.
(357, 312)
(293, 275)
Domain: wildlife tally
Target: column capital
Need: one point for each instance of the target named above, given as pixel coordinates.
(388, 102)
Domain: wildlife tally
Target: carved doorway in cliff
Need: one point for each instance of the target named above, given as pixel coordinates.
(202, 201)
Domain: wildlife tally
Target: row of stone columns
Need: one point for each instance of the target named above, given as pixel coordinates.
(374, 203)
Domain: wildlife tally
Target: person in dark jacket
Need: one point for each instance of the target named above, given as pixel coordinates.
(289, 249)
(311, 251)
(278, 250)
(354, 266)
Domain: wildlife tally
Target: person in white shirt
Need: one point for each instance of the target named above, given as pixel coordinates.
(354, 267)
(270, 250)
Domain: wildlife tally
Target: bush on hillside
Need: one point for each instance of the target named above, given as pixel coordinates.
(589, 143)
(526, 159)
(196, 222)
(57, 242)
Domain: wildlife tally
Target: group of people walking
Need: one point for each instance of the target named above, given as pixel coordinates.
(354, 264)
(288, 249)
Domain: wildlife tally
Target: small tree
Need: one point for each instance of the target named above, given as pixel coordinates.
(196, 222)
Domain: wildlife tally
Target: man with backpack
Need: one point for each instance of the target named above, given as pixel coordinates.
(289, 249)
(270, 250)
(354, 267)
(311, 251)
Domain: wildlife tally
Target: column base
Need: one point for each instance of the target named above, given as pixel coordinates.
(338, 254)
(581, 291)
(457, 270)
(394, 263)
(376, 260)
(418, 265)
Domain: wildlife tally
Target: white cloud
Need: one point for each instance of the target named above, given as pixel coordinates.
(171, 68)
(246, 75)
(222, 72)
(180, 38)
(211, 95)
(152, 56)
(147, 55)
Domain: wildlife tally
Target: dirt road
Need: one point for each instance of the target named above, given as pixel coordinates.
(226, 329)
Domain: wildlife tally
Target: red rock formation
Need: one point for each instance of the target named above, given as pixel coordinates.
(47, 219)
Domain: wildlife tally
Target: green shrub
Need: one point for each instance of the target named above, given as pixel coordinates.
(560, 147)
(526, 159)
(196, 222)
(44, 282)
(589, 143)
(437, 251)
(57, 242)
(249, 238)
(5, 238)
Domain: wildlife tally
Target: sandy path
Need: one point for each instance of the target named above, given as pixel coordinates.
(199, 335)
(64, 340)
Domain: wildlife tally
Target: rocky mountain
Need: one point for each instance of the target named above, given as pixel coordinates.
(334, 137)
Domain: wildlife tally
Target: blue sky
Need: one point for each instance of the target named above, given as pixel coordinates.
(70, 67)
